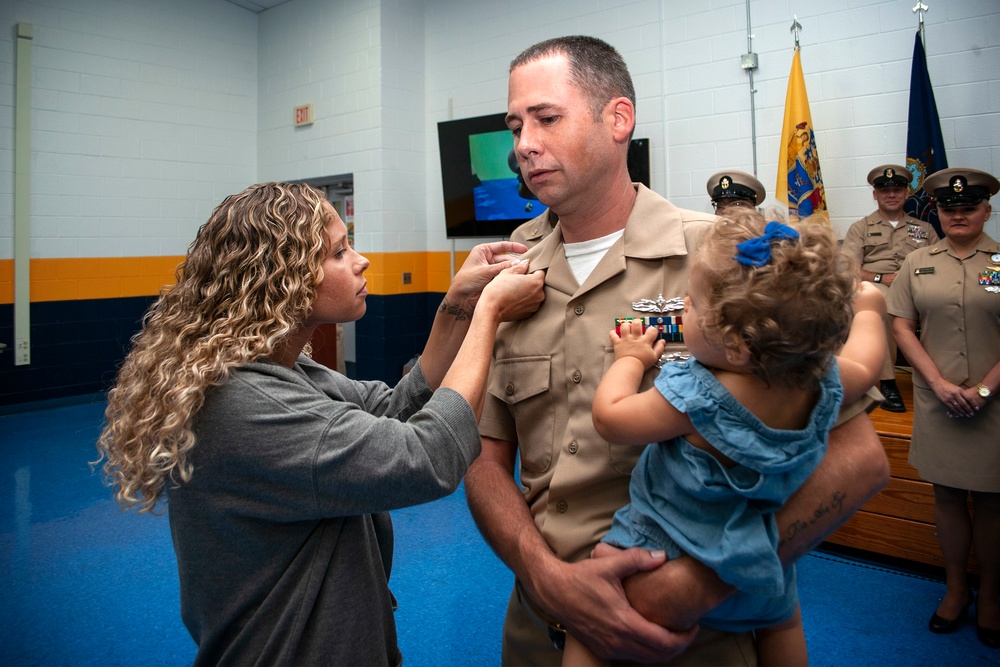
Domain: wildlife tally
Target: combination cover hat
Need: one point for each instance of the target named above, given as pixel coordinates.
(960, 186)
(732, 184)
(889, 175)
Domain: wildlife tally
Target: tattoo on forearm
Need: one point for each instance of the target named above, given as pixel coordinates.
(457, 312)
(834, 505)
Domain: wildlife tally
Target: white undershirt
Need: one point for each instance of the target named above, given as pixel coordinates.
(894, 223)
(585, 255)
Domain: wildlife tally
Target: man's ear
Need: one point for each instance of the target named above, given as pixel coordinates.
(624, 117)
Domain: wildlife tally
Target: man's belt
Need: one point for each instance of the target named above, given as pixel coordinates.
(557, 633)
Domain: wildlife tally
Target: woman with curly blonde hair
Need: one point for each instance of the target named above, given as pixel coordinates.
(777, 347)
(277, 473)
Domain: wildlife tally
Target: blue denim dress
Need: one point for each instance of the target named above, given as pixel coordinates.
(684, 501)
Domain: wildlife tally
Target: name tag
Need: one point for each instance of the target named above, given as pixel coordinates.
(874, 233)
(924, 270)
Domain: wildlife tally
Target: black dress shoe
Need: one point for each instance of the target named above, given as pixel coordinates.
(893, 401)
(988, 636)
(943, 626)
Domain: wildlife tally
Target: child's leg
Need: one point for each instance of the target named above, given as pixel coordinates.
(782, 644)
(577, 655)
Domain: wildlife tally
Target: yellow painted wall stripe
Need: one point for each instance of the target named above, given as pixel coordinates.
(72, 279)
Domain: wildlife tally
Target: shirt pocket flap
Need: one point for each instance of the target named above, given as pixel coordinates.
(514, 380)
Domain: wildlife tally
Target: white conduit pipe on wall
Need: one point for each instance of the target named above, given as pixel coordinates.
(749, 63)
(22, 197)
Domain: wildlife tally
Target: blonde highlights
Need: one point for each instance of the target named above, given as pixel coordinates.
(793, 313)
(248, 281)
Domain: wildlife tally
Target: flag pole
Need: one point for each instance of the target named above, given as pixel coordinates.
(925, 150)
(797, 28)
(920, 9)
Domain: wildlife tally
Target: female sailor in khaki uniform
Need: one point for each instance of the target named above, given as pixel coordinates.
(952, 291)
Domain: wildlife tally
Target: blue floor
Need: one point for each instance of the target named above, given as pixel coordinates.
(86, 584)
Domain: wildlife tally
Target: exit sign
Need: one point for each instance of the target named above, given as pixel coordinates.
(304, 115)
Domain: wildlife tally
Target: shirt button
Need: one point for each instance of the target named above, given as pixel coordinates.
(577, 377)
(562, 506)
(579, 309)
(509, 389)
(573, 447)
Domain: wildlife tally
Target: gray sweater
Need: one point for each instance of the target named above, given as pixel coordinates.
(283, 541)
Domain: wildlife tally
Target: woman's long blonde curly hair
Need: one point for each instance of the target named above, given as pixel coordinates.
(249, 279)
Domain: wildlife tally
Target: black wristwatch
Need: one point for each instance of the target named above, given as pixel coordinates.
(877, 278)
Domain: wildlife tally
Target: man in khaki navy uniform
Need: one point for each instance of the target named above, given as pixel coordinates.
(734, 188)
(613, 248)
(878, 243)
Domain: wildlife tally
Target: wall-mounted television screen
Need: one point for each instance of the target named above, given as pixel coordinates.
(484, 194)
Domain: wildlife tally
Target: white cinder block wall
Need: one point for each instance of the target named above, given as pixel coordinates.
(146, 113)
(144, 116)
(328, 54)
(361, 64)
(405, 144)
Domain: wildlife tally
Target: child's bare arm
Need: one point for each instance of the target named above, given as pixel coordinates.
(860, 360)
(621, 414)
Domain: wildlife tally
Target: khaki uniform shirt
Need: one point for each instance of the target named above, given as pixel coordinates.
(959, 319)
(546, 370)
(878, 247)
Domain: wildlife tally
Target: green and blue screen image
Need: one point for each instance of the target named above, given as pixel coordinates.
(499, 193)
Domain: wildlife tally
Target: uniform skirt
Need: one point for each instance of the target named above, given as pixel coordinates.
(963, 453)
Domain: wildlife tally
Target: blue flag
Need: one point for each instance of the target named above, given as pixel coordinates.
(924, 143)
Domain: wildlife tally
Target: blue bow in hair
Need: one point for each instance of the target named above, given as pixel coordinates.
(757, 252)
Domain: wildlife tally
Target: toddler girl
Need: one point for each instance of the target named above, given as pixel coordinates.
(777, 347)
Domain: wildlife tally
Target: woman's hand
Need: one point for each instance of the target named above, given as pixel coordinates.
(514, 293)
(484, 262)
(958, 401)
(511, 295)
(454, 320)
